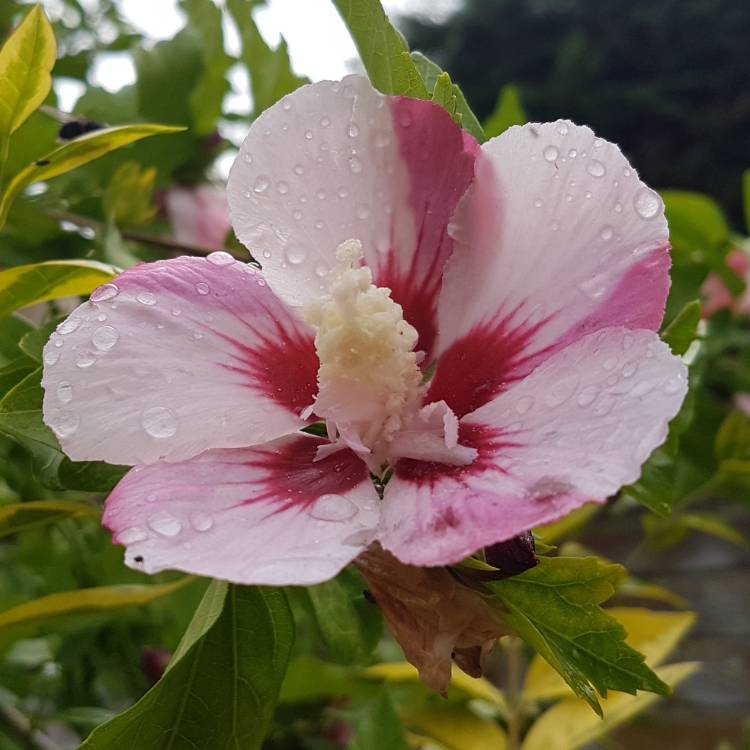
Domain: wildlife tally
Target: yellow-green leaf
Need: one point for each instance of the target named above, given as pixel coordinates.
(26, 61)
(654, 634)
(562, 529)
(76, 153)
(570, 724)
(508, 112)
(92, 602)
(18, 517)
(22, 286)
(127, 199)
(456, 728)
(472, 687)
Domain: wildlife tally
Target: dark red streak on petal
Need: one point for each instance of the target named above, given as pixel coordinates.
(293, 479)
(282, 367)
(482, 364)
(489, 442)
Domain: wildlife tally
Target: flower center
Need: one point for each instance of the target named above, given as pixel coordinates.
(369, 383)
(368, 377)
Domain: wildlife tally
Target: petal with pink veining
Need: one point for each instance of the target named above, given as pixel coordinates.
(555, 239)
(574, 431)
(175, 357)
(266, 515)
(338, 161)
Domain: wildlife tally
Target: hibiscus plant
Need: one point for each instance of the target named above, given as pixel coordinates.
(384, 375)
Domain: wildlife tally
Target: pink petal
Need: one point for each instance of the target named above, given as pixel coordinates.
(199, 215)
(339, 161)
(176, 357)
(266, 515)
(556, 238)
(574, 431)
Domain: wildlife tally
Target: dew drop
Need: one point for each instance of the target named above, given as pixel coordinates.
(596, 169)
(647, 203)
(64, 392)
(51, 356)
(587, 396)
(355, 164)
(673, 385)
(538, 203)
(572, 153)
(618, 207)
(298, 169)
(132, 535)
(562, 128)
(105, 338)
(65, 424)
(286, 104)
(282, 188)
(524, 404)
(159, 422)
(334, 508)
(321, 269)
(104, 292)
(630, 369)
(353, 130)
(610, 363)
(551, 153)
(261, 184)
(297, 214)
(201, 521)
(607, 233)
(604, 405)
(220, 258)
(295, 255)
(320, 194)
(247, 158)
(165, 524)
(342, 192)
(146, 298)
(85, 359)
(325, 122)
(202, 288)
(363, 211)
(381, 139)
(68, 326)
(554, 225)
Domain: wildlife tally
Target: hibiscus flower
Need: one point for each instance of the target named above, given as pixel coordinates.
(448, 344)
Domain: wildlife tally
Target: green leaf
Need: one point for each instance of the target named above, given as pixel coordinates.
(461, 111)
(222, 683)
(271, 75)
(127, 199)
(22, 286)
(376, 724)
(49, 612)
(348, 624)
(21, 417)
(74, 154)
(555, 608)
(569, 724)
(26, 62)
(206, 99)
(18, 517)
(666, 532)
(683, 329)
(696, 223)
(455, 727)
(508, 112)
(383, 50)
(733, 438)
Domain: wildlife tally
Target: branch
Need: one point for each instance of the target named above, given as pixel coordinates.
(20, 728)
(167, 243)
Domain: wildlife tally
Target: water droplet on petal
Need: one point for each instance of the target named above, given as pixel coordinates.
(308, 135)
(297, 214)
(363, 211)
(295, 255)
(587, 395)
(607, 233)
(321, 269)
(596, 169)
(647, 203)
(132, 535)
(562, 128)
(51, 356)
(353, 130)
(630, 369)
(159, 422)
(220, 258)
(298, 169)
(538, 203)
(334, 508)
(261, 184)
(355, 164)
(165, 524)
(342, 192)
(201, 521)
(551, 153)
(247, 158)
(146, 298)
(105, 338)
(202, 288)
(85, 359)
(68, 326)
(104, 292)
(673, 385)
(572, 153)
(64, 392)
(610, 363)
(65, 424)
